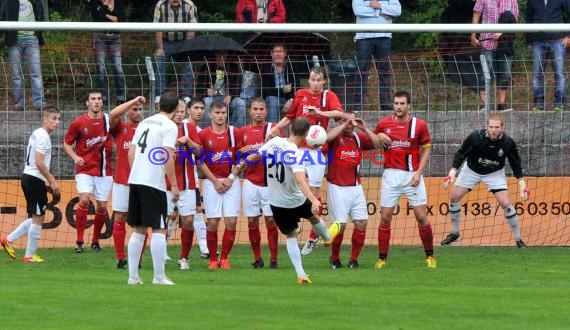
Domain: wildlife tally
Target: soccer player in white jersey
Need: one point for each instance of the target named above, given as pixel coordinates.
(36, 172)
(290, 196)
(408, 145)
(485, 151)
(151, 157)
(345, 195)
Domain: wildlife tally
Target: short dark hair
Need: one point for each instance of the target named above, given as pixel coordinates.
(194, 100)
(168, 102)
(49, 110)
(405, 94)
(319, 70)
(92, 91)
(300, 126)
(218, 105)
(258, 99)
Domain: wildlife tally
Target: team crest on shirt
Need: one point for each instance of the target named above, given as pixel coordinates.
(245, 138)
(125, 130)
(304, 98)
(210, 143)
(85, 130)
(388, 131)
(341, 141)
(500, 152)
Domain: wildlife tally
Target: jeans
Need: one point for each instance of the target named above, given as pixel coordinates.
(109, 44)
(540, 52)
(170, 47)
(379, 49)
(274, 106)
(29, 51)
(236, 112)
(500, 68)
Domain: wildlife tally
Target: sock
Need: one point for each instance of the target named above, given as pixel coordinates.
(335, 247)
(212, 239)
(200, 231)
(186, 237)
(119, 233)
(513, 221)
(426, 234)
(384, 232)
(320, 207)
(20, 231)
(273, 241)
(227, 243)
(80, 222)
(255, 239)
(358, 237)
(321, 229)
(34, 234)
(455, 213)
(134, 250)
(313, 235)
(157, 248)
(98, 223)
(295, 256)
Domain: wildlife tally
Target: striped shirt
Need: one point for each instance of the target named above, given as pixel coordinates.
(186, 12)
(490, 11)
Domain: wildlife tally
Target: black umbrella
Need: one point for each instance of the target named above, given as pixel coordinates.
(300, 45)
(206, 46)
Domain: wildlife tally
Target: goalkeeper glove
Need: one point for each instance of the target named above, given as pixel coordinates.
(524, 191)
(450, 178)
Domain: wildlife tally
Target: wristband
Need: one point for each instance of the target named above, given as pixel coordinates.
(231, 176)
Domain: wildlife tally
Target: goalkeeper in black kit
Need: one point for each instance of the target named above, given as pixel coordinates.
(485, 151)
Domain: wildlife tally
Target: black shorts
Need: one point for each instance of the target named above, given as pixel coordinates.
(287, 218)
(147, 207)
(35, 191)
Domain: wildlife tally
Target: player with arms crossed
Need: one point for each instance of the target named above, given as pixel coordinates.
(290, 196)
(318, 105)
(88, 142)
(344, 192)
(407, 143)
(151, 156)
(36, 172)
(485, 151)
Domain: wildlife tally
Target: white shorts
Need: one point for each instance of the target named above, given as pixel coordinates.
(254, 198)
(467, 178)
(221, 205)
(344, 202)
(99, 186)
(396, 183)
(186, 203)
(120, 197)
(315, 166)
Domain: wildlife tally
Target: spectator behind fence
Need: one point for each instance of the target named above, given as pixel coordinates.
(220, 81)
(277, 82)
(543, 45)
(260, 11)
(500, 67)
(108, 43)
(24, 45)
(376, 44)
(167, 43)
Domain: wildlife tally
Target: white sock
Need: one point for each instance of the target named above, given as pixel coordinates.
(157, 248)
(513, 221)
(34, 234)
(200, 231)
(20, 231)
(134, 250)
(295, 256)
(321, 229)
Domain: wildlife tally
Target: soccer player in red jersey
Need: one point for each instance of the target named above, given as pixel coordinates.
(345, 195)
(219, 143)
(407, 143)
(88, 142)
(255, 193)
(123, 132)
(318, 105)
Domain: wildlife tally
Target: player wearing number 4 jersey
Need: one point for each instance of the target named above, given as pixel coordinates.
(290, 196)
(486, 151)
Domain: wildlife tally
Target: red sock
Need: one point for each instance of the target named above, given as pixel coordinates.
(227, 243)
(384, 232)
(254, 239)
(186, 237)
(358, 237)
(212, 242)
(426, 235)
(98, 223)
(273, 241)
(119, 234)
(80, 222)
(313, 235)
(335, 247)
(144, 246)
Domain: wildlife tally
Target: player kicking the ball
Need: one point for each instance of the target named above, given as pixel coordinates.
(485, 151)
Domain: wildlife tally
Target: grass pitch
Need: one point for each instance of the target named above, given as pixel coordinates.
(472, 288)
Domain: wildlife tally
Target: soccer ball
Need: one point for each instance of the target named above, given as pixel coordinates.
(317, 136)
